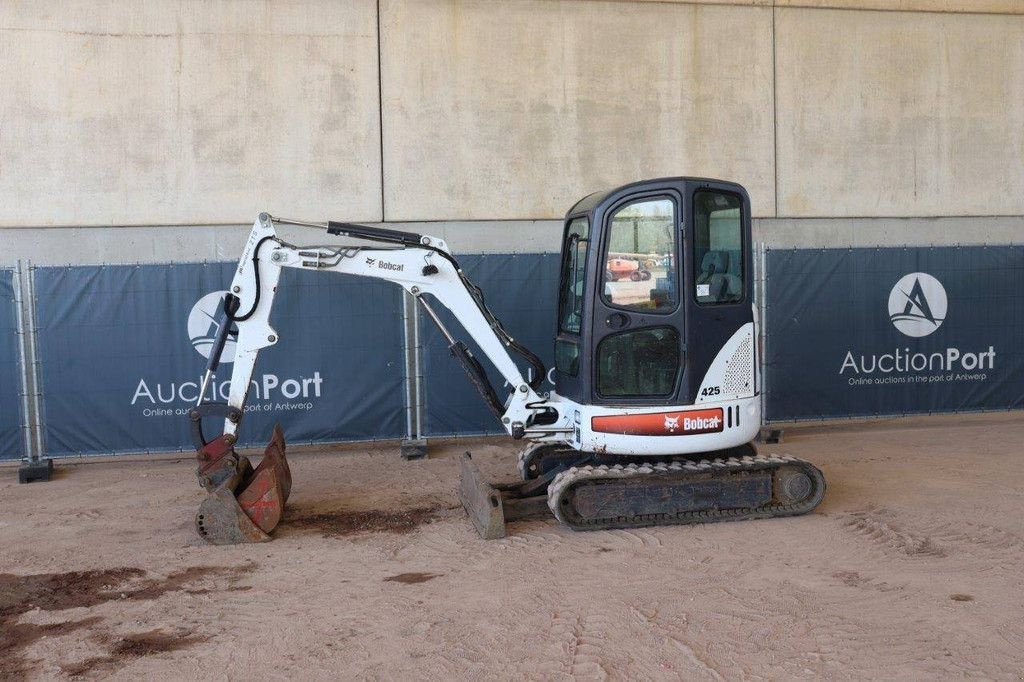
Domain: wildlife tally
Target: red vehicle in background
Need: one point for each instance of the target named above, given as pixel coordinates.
(623, 268)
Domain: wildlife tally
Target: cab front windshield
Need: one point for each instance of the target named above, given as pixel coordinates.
(572, 282)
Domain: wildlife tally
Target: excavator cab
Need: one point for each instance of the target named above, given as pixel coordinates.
(654, 281)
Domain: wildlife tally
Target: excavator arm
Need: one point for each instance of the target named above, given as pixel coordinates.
(246, 503)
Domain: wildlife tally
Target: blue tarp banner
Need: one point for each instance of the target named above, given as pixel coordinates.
(889, 331)
(122, 351)
(11, 433)
(849, 332)
(521, 290)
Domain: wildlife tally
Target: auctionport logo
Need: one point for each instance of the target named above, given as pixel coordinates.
(273, 392)
(203, 326)
(917, 307)
(917, 304)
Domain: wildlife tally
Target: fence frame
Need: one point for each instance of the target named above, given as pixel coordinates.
(33, 400)
(39, 397)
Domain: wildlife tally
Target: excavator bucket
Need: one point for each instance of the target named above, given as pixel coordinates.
(244, 504)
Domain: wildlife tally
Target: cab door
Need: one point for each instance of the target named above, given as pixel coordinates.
(638, 323)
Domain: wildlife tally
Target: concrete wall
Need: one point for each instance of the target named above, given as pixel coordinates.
(899, 114)
(959, 6)
(485, 120)
(158, 113)
(520, 106)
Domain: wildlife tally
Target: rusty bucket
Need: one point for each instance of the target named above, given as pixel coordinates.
(244, 504)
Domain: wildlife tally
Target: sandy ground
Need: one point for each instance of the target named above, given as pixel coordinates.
(911, 568)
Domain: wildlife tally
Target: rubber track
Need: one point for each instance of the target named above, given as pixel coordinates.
(567, 481)
(526, 456)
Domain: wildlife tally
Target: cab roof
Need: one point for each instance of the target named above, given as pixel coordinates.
(589, 202)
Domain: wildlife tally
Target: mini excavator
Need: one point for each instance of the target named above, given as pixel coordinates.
(657, 373)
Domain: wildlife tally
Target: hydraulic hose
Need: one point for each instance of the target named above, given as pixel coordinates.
(256, 276)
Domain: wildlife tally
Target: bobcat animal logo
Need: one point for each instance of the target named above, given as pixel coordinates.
(671, 423)
(203, 326)
(917, 304)
(371, 261)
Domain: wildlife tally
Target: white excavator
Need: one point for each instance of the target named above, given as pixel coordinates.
(657, 376)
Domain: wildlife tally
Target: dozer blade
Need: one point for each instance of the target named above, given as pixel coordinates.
(482, 501)
(248, 503)
(490, 506)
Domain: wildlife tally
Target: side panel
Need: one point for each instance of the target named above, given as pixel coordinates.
(666, 431)
(725, 420)
(732, 373)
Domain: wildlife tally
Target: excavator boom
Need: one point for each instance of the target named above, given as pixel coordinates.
(245, 503)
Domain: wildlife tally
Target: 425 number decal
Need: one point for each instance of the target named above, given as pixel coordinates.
(710, 390)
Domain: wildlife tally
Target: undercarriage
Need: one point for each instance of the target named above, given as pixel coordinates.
(591, 491)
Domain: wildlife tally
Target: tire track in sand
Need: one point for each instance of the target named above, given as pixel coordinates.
(878, 525)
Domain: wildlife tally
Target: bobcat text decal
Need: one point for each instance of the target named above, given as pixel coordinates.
(384, 265)
(685, 423)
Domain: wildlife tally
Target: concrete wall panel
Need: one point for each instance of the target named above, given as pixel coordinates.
(516, 109)
(861, 232)
(971, 6)
(187, 112)
(757, 3)
(194, 243)
(899, 114)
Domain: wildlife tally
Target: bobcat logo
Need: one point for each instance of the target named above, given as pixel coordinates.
(371, 261)
(671, 423)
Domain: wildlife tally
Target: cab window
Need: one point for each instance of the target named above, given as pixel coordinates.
(573, 275)
(639, 363)
(640, 263)
(718, 266)
(571, 287)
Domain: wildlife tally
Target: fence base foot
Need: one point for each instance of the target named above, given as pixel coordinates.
(769, 436)
(35, 470)
(414, 448)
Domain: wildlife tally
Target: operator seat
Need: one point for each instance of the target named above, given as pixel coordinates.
(722, 285)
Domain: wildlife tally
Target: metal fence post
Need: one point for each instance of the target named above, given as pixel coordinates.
(26, 413)
(763, 319)
(419, 394)
(34, 467)
(413, 446)
(766, 433)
